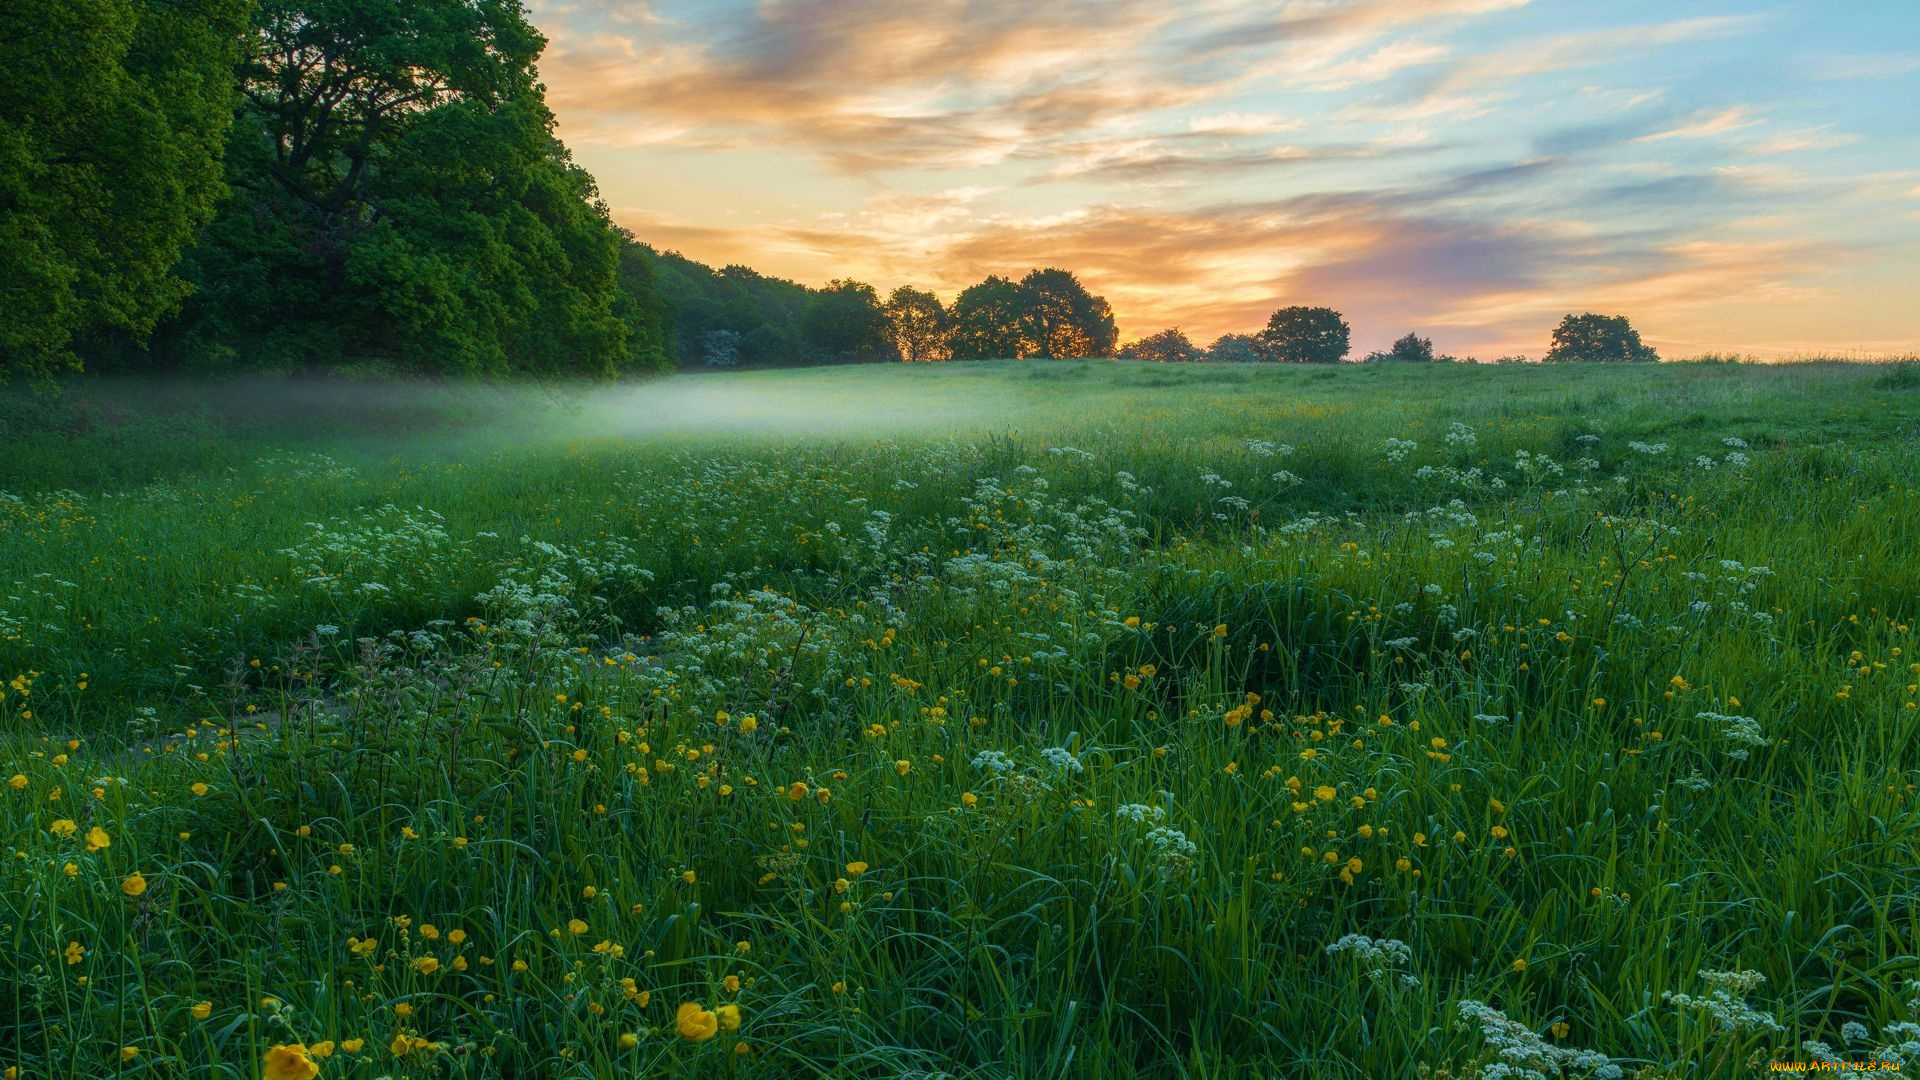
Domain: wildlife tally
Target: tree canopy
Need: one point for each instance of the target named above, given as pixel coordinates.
(1598, 339)
(987, 323)
(844, 321)
(1170, 346)
(1306, 335)
(918, 324)
(113, 115)
(399, 197)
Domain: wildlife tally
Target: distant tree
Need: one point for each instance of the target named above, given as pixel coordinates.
(918, 324)
(720, 348)
(1306, 335)
(1598, 339)
(113, 116)
(1236, 349)
(1166, 347)
(1060, 319)
(844, 321)
(764, 311)
(1412, 349)
(987, 322)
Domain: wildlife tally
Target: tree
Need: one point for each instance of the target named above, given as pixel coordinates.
(400, 197)
(1305, 335)
(720, 348)
(1598, 339)
(643, 308)
(844, 321)
(113, 114)
(987, 322)
(918, 324)
(1166, 347)
(1412, 349)
(1060, 319)
(1235, 349)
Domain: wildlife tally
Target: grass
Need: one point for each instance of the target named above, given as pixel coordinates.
(1090, 705)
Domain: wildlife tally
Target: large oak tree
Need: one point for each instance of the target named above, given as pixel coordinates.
(400, 198)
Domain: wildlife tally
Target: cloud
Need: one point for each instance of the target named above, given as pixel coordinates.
(1706, 124)
(1423, 164)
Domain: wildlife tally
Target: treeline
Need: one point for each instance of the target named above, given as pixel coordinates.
(720, 318)
(1319, 335)
(295, 183)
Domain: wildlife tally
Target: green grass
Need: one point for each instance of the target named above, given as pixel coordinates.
(1566, 695)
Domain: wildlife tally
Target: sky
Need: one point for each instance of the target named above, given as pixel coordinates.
(1734, 177)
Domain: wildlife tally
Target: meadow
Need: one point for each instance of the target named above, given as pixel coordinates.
(1043, 719)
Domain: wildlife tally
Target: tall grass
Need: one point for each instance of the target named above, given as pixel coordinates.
(1000, 720)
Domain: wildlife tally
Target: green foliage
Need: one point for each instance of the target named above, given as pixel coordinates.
(400, 199)
(844, 321)
(112, 118)
(1598, 339)
(1235, 349)
(1305, 335)
(986, 322)
(1047, 314)
(1169, 346)
(761, 313)
(1060, 319)
(918, 324)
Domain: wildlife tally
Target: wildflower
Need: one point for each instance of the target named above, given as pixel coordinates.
(1519, 965)
(426, 965)
(856, 868)
(696, 1023)
(74, 952)
(134, 885)
(128, 1053)
(17, 781)
(288, 1062)
(353, 1046)
(729, 1016)
(202, 1010)
(201, 789)
(628, 1040)
(969, 799)
(731, 983)
(797, 791)
(576, 927)
(903, 766)
(63, 827)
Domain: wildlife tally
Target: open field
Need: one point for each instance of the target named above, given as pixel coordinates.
(985, 720)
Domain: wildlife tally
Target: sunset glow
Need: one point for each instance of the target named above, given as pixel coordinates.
(1736, 177)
